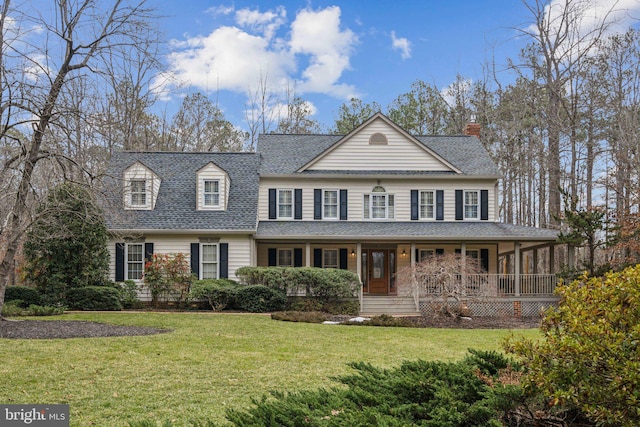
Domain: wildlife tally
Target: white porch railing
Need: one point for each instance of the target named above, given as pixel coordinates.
(492, 285)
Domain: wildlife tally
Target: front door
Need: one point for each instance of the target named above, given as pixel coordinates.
(378, 271)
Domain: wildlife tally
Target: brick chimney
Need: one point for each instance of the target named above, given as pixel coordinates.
(472, 128)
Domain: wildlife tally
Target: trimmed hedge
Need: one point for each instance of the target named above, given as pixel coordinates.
(219, 293)
(25, 294)
(103, 298)
(260, 299)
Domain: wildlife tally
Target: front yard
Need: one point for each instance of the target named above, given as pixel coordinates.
(208, 363)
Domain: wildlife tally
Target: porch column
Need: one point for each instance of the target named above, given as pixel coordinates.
(463, 261)
(412, 253)
(359, 260)
(571, 256)
(516, 260)
(552, 259)
(307, 251)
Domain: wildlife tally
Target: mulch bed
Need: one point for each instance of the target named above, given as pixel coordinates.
(47, 329)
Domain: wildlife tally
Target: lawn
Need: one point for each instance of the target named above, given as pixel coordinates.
(210, 362)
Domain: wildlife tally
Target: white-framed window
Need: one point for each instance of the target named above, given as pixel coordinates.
(330, 204)
(285, 204)
(425, 254)
(427, 204)
(211, 192)
(471, 204)
(138, 192)
(209, 260)
(134, 257)
(285, 257)
(379, 204)
(473, 253)
(330, 258)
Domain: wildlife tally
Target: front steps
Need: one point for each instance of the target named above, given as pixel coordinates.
(374, 305)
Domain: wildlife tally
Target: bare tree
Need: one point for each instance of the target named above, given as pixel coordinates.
(34, 73)
(447, 282)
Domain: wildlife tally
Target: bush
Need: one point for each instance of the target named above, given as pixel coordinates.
(300, 316)
(477, 391)
(271, 277)
(260, 299)
(589, 357)
(25, 294)
(128, 291)
(104, 298)
(220, 293)
(350, 307)
(12, 309)
(385, 320)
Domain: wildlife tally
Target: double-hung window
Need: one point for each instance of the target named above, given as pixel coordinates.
(330, 204)
(425, 254)
(471, 204)
(211, 192)
(427, 204)
(285, 204)
(285, 257)
(379, 204)
(138, 192)
(135, 261)
(330, 258)
(209, 261)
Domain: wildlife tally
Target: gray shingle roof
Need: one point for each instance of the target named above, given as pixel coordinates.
(176, 204)
(414, 230)
(285, 154)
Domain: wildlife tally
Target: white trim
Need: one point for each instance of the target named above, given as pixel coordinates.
(477, 205)
(127, 262)
(293, 203)
(206, 193)
(434, 204)
(202, 263)
(331, 218)
(278, 257)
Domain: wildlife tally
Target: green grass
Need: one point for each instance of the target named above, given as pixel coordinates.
(210, 362)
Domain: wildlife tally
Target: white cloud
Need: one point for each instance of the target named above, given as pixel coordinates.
(314, 52)
(318, 34)
(267, 23)
(401, 44)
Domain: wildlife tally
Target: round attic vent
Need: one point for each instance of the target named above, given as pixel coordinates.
(378, 139)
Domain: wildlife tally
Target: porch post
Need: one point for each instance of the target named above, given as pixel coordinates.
(571, 255)
(516, 260)
(463, 254)
(359, 260)
(307, 250)
(552, 259)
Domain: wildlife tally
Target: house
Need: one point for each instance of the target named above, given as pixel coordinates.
(373, 201)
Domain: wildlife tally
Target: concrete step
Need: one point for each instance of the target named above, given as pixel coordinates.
(395, 306)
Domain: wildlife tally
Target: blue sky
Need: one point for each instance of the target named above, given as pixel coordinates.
(333, 50)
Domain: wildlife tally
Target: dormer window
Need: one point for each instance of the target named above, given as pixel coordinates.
(138, 191)
(211, 194)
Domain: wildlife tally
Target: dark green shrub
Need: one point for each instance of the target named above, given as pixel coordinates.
(305, 304)
(300, 316)
(219, 293)
(25, 294)
(46, 310)
(477, 391)
(271, 277)
(385, 320)
(260, 299)
(350, 307)
(12, 308)
(104, 298)
(128, 291)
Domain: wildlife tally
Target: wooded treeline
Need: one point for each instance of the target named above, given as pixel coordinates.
(562, 121)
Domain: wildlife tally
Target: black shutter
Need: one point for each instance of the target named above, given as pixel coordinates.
(414, 205)
(459, 206)
(440, 205)
(317, 203)
(148, 251)
(273, 257)
(484, 259)
(297, 257)
(224, 260)
(195, 259)
(272, 203)
(484, 205)
(344, 202)
(458, 251)
(297, 203)
(440, 251)
(317, 258)
(343, 259)
(417, 255)
(119, 262)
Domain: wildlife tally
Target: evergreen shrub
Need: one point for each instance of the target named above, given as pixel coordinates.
(219, 293)
(103, 298)
(25, 294)
(260, 299)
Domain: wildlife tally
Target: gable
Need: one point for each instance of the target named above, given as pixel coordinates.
(379, 145)
(150, 186)
(208, 174)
